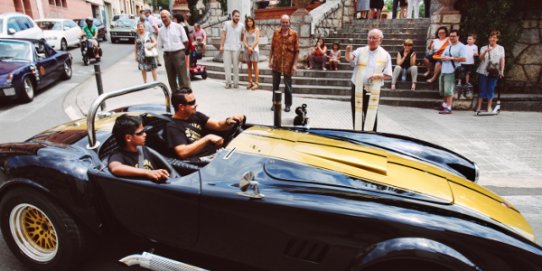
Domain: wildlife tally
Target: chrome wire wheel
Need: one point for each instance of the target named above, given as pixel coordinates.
(33, 232)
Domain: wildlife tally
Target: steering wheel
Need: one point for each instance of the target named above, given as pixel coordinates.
(173, 174)
(235, 131)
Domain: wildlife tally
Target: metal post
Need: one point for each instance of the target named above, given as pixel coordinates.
(277, 107)
(98, 75)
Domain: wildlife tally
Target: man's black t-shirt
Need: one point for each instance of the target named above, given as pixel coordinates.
(183, 132)
(131, 159)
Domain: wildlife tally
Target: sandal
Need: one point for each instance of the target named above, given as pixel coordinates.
(392, 87)
(255, 86)
(250, 85)
(413, 87)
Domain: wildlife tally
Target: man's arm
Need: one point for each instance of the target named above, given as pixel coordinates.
(296, 54)
(188, 150)
(119, 169)
(222, 38)
(224, 124)
(271, 51)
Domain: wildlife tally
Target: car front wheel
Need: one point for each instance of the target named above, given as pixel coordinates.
(67, 71)
(26, 94)
(40, 233)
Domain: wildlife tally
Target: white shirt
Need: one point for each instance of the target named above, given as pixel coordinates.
(172, 38)
(456, 50)
(437, 43)
(496, 54)
(470, 51)
(370, 69)
(232, 42)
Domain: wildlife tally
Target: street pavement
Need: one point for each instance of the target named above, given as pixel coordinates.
(507, 147)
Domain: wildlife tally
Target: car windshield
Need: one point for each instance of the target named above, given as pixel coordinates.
(125, 23)
(15, 51)
(50, 25)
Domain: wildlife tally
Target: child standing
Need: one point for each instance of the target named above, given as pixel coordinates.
(335, 56)
(472, 53)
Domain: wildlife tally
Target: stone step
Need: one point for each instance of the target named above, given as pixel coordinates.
(401, 35)
(373, 23)
(345, 70)
(423, 89)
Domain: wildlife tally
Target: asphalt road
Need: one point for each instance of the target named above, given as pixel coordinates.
(20, 121)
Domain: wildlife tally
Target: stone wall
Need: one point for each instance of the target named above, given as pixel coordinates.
(525, 63)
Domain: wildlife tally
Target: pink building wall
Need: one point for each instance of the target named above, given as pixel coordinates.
(74, 8)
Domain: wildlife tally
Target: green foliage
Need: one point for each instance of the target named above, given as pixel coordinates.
(501, 15)
(284, 3)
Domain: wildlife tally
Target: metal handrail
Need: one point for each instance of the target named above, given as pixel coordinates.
(92, 143)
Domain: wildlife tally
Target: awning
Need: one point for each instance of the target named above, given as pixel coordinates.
(96, 2)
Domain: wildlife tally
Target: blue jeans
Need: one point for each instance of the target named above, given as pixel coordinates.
(487, 86)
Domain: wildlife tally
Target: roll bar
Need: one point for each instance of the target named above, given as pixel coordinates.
(92, 143)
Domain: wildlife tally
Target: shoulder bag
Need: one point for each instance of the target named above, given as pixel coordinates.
(492, 68)
(459, 71)
(149, 51)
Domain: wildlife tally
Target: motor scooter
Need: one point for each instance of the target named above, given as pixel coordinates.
(195, 54)
(87, 51)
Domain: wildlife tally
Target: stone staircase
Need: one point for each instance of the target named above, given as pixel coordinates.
(336, 84)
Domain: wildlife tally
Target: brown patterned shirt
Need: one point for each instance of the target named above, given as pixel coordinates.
(284, 49)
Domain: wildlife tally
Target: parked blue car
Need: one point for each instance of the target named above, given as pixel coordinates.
(28, 65)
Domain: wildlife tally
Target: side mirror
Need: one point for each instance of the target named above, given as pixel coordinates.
(11, 31)
(249, 187)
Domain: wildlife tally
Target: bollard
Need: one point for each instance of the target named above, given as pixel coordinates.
(277, 107)
(98, 75)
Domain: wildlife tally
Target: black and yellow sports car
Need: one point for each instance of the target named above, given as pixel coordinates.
(272, 199)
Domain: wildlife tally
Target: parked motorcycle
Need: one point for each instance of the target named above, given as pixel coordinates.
(87, 51)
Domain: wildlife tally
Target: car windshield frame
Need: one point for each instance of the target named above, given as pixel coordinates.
(25, 52)
(49, 25)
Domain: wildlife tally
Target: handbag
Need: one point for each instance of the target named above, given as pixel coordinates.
(149, 51)
(492, 68)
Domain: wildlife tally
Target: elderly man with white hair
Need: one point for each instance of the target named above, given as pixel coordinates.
(173, 41)
(372, 65)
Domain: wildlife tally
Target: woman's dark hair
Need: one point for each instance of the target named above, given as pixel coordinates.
(336, 43)
(125, 125)
(323, 41)
(442, 28)
(249, 18)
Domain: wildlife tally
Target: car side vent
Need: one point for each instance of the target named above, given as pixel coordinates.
(306, 250)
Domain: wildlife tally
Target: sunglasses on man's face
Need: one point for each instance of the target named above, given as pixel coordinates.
(193, 102)
(142, 132)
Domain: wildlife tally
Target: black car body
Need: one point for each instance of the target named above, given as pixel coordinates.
(100, 26)
(28, 65)
(273, 199)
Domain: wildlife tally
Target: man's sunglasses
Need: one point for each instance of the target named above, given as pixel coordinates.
(193, 102)
(140, 133)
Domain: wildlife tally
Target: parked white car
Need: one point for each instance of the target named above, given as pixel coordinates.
(60, 33)
(18, 25)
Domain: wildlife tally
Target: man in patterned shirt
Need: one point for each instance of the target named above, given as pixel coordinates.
(283, 58)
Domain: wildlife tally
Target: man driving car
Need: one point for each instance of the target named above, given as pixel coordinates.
(190, 133)
(90, 31)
